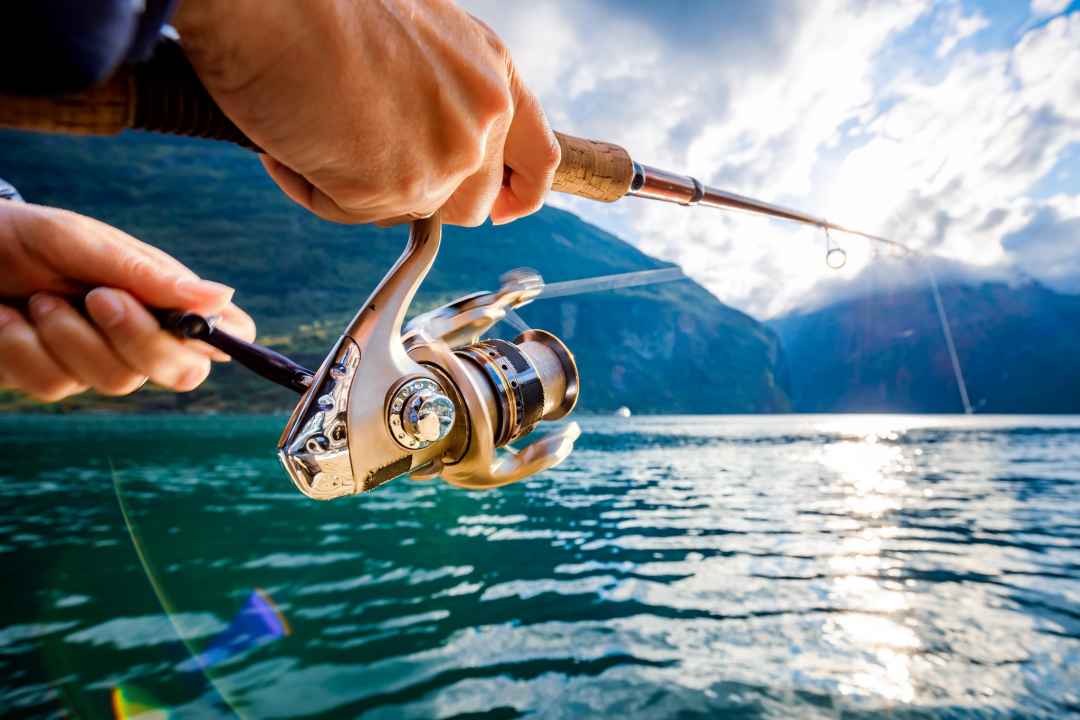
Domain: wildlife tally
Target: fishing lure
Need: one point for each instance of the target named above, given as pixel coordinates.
(430, 398)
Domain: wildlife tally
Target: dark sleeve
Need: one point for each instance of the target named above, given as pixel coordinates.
(50, 47)
(8, 191)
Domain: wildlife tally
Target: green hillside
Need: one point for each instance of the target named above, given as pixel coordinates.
(667, 348)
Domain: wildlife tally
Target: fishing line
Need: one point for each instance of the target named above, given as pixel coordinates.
(835, 257)
(516, 321)
(946, 330)
(939, 304)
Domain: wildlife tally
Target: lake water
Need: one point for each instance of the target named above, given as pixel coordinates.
(809, 566)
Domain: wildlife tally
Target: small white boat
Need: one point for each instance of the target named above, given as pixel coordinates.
(623, 412)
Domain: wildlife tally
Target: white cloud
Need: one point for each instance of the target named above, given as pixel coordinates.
(1048, 246)
(963, 28)
(822, 106)
(1048, 7)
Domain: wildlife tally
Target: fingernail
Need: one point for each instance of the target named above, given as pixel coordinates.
(41, 305)
(196, 289)
(105, 307)
(192, 378)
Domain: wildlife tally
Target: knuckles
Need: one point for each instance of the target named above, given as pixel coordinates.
(53, 389)
(492, 102)
(120, 382)
(470, 219)
(550, 155)
(139, 269)
(37, 231)
(470, 161)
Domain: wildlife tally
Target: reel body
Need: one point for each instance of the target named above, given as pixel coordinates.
(434, 399)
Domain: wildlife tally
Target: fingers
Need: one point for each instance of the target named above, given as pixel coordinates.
(81, 249)
(307, 196)
(59, 352)
(237, 323)
(63, 353)
(445, 132)
(139, 341)
(472, 201)
(527, 148)
(79, 348)
(25, 364)
(532, 154)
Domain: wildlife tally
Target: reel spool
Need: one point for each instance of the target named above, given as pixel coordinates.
(434, 400)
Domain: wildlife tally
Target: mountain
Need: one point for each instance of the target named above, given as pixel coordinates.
(665, 348)
(1018, 345)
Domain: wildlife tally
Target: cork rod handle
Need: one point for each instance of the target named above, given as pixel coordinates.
(103, 110)
(164, 95)
(593, 169)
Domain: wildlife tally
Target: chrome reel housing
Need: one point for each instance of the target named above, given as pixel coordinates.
(434, 399)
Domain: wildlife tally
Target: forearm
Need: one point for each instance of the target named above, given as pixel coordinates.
(52, 47)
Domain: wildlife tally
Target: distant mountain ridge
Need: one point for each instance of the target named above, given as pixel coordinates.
(1019, 347)
(663, 348)
(667, 348)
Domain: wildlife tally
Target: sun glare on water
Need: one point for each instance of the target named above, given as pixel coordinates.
(868, 474)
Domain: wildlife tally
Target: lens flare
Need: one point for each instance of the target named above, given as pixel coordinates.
(258, 622)
(133, 703)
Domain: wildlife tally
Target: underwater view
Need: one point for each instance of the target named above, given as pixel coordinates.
(708, 566)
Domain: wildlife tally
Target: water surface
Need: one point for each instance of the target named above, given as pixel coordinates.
(811, 566)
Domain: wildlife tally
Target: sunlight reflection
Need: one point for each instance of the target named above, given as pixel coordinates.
(864, 466)
(865, 478)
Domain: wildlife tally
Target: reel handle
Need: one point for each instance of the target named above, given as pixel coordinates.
(165, 95)
(514, 465)
(261, 360)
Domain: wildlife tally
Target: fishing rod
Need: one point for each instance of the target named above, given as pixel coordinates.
(429, 398)
(165, 95)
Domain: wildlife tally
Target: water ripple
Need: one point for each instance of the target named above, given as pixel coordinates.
(791, 566)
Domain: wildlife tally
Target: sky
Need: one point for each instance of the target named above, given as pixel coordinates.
(951, 126)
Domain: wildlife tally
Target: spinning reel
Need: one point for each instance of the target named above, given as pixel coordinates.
(432, 398)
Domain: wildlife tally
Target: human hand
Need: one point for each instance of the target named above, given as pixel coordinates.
(56, 352)
(373, 111)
